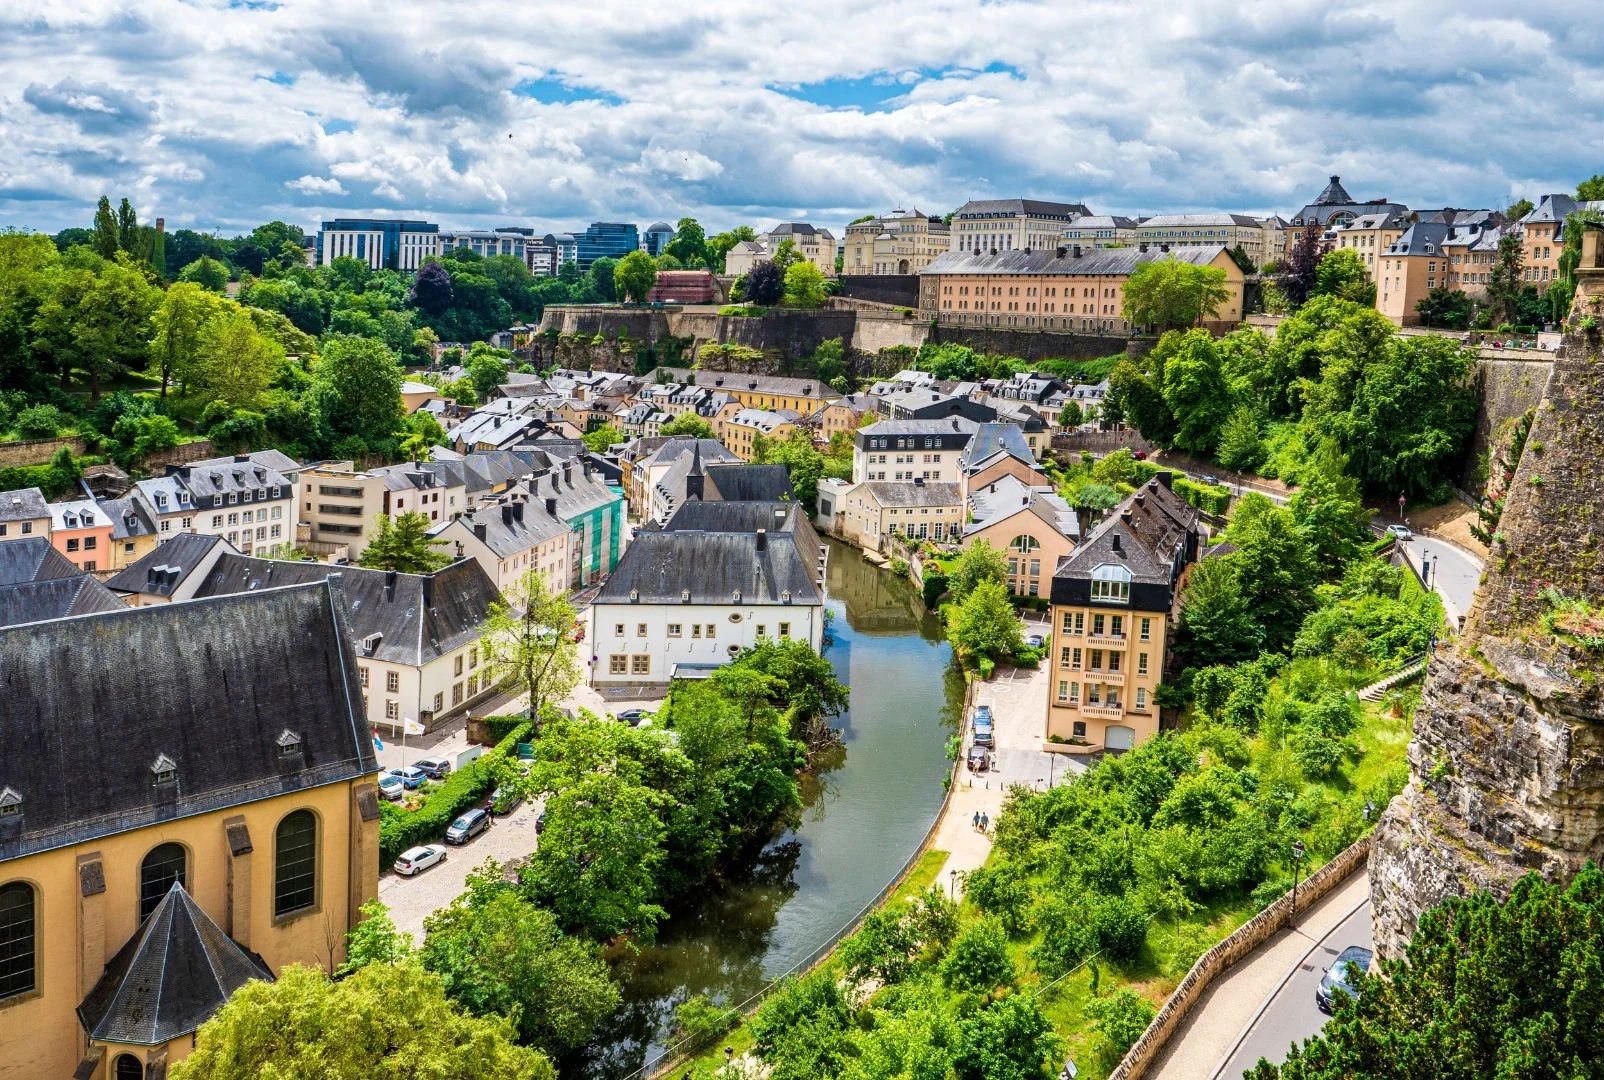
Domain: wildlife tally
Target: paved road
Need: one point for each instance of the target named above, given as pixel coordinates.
(1455, 572)
(1292, 1015)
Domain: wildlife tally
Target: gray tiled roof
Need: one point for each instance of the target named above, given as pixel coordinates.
(418, 617)
(992, 439)
(1031, 207)
(55, 598)
(33, 559)
(713, 566)
(1095, 261)
(938, 425)
(1194, 221)
(1421, 238)
(23, 504)
(895, 493)
(1148, 539)
(169, 978)
(181, 552)
(780, 385)
(1001, 500)
(92, 701)
(746, 483)
(129, 518)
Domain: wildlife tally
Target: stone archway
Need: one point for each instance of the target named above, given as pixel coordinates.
(902, 267)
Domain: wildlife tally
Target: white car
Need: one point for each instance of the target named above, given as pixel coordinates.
(1400, 532)
(418, 859)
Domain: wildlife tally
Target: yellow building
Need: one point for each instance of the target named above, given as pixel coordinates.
(738, 428)
(23, 512)
(872, 512)
(1082, 290)
(982, 225)
(757, 391)
(1370, 235)
(1030, 524)
(206, 822)
(902, 243)
(1205, 230)
(1114, 602)
(1410, 267)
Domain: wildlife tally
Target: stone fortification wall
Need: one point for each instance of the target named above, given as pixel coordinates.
(1508, 389)
(1507, 761)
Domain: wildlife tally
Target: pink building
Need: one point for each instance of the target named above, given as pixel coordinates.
(81, 531)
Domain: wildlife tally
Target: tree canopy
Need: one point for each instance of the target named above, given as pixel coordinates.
(1168, 293)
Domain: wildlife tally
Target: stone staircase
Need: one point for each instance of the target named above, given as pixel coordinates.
(1377, 690)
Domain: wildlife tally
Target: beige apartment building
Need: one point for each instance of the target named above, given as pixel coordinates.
(815, 245)
(872, 512)
(901, 243)
(1370, 235)
(1080, 291)
(1410, 267)
(758, 391)
(341, 504)
(1099, 230)
(983, 225)
(739, 428)
(1543, 236)
(1204, 230)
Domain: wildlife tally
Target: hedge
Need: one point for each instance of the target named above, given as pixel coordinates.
(1210, 498)
(401, 829)
(499, 727)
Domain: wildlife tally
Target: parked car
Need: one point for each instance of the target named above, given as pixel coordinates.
(1342, 975)
(503, 800)
(633, 717)
(983, 728)
(467, 827)
(983, 714)
(436, 768)
(979, 759)
(1034, 641)
(391, 787)
(540, 823)
(1210, 478)
(1400, 532)
(410, 775)
(418, 859)
(1140, 455)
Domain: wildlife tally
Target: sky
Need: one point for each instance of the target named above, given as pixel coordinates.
(222, 114)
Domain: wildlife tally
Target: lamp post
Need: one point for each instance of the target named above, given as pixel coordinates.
(952, 884)
(1297, 864)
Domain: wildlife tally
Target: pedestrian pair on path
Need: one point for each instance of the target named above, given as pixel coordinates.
(981, 821)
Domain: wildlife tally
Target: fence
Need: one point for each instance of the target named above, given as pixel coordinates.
(677, 1055)
(1249, 936)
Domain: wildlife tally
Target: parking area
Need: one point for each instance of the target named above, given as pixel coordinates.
(1018, 700)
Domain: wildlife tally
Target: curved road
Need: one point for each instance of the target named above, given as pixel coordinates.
(1455, 572)
(1291, 1014)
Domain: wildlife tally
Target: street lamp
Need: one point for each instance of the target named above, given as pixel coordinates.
(1297, 864)
(952, 884)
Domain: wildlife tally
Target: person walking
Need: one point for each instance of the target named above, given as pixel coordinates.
(974, 823)
(985, 823)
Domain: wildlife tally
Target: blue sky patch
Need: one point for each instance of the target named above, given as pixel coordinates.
(874, 93)
(338, 127)
(279, 78)
(550, 90)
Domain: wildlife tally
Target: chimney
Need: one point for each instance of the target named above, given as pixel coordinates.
(1077, 251)
(1142, 247)
(567, 474)
(1166, 478)
(161, 226)
(762, 539)
(518, 510)
(389, 584)
(551, 506)
(1062, 251)
(479, 530)
(1164, 247)
(506, 514)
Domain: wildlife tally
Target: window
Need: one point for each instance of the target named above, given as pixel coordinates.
(392, 709)
(640, 664)
(674, 629)
(1097, 626)
(1113, 660)
(1141, 697)
(640, 629)
(1111, 583)
(363, 673)
(72, 545)
(785, 630)
(164, 865)
(617, 664)
(439, 702)
(712, 630)
(1116, 625)
(456, 693)
(1141, 663)
(1147, 630)
(696, 630)
(128, 1068)
(1078, 729)
(295, 863)
(217, 521)
(618, 629)
(17, 952)
(89, 565)
(473, 657)
(456, 667)
(392, 682)
(1063, 691)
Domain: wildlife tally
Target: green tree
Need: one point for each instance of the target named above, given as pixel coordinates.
(374, 940)
(1136, 392)
(498, 954)
(237, 362)
(486, 368)
(385, 1020)
(764, 284)
(1485, 988)
(984, 624)
(881, 948)
(176, 333)
(978, 960)
(689, 425)
(110, 323)
(127, 228)
(1010, 1039)
(786, 256)
(977, 563)
(1448, 308)
(357, 387)
(1342, 273)
(1591, 189)
(1118, 1021)
(719, 246)
(105, 229)
(804, 285)
(1168, 293)
(1217, 624)
(634, 276)
(418, 433)
(1518, 209)
(689, 244)
(1275, 567)
(1328, 508)
(602, 278)
(1194, 389)
(403, 543)
(208, 273)
(1071, 415)
(599, 439)
(1241, 440)
(530, 635)
(1504, 280)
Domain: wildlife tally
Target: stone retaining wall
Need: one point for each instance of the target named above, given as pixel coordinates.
(1249, 936)
(37, 451)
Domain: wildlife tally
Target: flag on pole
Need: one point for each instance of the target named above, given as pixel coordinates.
(378, 744)
(411, 726)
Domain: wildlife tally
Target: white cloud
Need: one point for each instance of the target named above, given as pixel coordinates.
(316, 185)
(641, 112)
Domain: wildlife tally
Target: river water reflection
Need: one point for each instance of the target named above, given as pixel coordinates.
(865, 816)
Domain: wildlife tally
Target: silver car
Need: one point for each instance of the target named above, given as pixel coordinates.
(418, 859)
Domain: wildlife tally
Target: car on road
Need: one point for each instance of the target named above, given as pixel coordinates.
(1209, 478)
(503, 800)
(467, 827)
(979, 759)
(391, 787)
(410, 775)
(1342, 976)
(1400, 532)
(418, 859)
(633, 717)
(982, 713)
(1140, 455)
(1034, 641)
(983, 727)
(437, 768)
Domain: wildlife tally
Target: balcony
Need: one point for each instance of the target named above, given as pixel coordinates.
(1110, 711)
(1108, 641)
(1107, 678)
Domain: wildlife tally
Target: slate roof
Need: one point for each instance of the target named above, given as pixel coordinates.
(796, 228)
(1103, 221)
(1096, 261)
(773, 515)
(1008, 496)
(902, 493)
(33, 559)
(1151, 525)
(1333, 194)
(170, 977)
(181, 554)
(418, 617)
(1421, 238)
(746, 483)
(129, 518)
(713, 566)
(764, 420)
(936, 425)
(1030, 207)
(23, 504)
(511, 526)
(989, 440)
(55, 598)
(90, 703)
(1193, 221)
(779, 385)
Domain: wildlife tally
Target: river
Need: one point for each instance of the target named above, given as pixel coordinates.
(865, 815)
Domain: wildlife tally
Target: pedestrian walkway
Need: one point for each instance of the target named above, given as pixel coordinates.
(965, 845)
(1212, 1029)
(1378, 689)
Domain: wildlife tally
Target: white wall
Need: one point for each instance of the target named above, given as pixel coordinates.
(806, 624)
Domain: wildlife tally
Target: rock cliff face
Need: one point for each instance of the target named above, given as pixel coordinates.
(1507, 762)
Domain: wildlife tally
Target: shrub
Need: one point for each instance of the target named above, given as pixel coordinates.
(1119, 1021)
(979, 960)
(401, 829)
(40, 422)
(1210, 498)
(935, 584)
(499, 727)
(743, 311)
(1120, 926)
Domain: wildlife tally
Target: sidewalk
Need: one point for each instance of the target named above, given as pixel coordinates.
(1210, 1032)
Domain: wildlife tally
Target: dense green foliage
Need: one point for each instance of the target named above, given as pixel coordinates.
(403, 543)
(1168, 293)
(400, 829)
(1485, 988)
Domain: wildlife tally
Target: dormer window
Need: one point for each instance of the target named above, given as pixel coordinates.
(634, 596)
(164, 770)
(289, 743)
(370, 644)
(785, 597)
(1111, 584)
(10, 803)
(685, 595)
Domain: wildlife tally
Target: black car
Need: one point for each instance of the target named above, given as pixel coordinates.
(1342, 975)
(633, 717)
